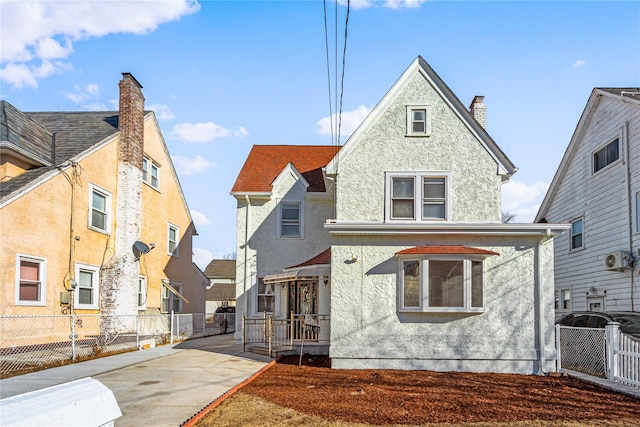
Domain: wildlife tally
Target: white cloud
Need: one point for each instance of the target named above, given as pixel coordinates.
(350, 122)
(37, 31)
(80, 95)
(163, 112)
(199, 218)
(199, 133)
(189, 166)
(392, 4)
(201, 257)
(522, 199)
(579, 63)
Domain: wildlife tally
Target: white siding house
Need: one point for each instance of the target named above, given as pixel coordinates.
(597, 190)
(418, 271)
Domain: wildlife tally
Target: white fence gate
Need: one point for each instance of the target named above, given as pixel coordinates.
(606, 353)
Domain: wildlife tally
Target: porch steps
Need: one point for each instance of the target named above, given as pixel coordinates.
(275, 351)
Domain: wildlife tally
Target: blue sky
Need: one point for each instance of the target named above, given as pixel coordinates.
(223, 76)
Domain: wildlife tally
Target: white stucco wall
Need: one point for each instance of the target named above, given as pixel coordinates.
(368, 330)
(475, 185)
(267, 253)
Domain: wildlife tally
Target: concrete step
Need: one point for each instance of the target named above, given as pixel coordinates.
(275, 351)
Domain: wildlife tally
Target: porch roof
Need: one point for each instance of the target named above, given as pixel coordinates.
(445, 250)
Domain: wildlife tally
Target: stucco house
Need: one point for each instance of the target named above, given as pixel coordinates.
(93, 217)
(597, 190)
(390, 249)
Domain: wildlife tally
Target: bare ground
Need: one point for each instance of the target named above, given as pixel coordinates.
(314, 394)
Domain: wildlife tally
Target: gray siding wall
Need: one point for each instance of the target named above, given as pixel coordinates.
(602, 199)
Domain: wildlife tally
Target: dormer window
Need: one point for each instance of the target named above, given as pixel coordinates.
(416, 196)
(418, 120)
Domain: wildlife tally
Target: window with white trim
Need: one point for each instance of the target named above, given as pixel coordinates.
(142, 293)
(265, 297)
(173, 236)
(151, 172)
(418, 120)
(441, 284)
(563, 300)
(576, 234)
(99, 209)
(31, 276)
(171, 302)
(290, 219)
(415, 196)
(87, 286)
(606, 155)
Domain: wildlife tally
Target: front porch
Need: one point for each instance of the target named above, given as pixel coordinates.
(297, 334)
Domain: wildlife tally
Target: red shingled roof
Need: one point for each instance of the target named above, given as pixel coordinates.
(322, 258)
(440, 250)
(266, 162)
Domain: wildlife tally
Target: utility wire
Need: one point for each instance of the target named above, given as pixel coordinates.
(326, 45)
(344, 59)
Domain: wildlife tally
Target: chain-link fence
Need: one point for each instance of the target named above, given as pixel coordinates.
(30, 343)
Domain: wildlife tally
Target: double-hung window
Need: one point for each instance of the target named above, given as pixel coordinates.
(606, 155)
(266, 297)
(87, 286)
(170, 301)
(418, 120)
(99, 209)
(290, 219)
(576, 237)
(31, 274)
(173, 235)
(563, 300)
(441, 284)
(417, 197)
(151, 172)
(142, 293)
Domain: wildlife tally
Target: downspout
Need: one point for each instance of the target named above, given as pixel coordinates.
(538, 279)
(627, 178)
(246, 257)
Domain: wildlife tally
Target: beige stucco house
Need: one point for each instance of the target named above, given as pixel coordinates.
(391, 247)
(93, 217)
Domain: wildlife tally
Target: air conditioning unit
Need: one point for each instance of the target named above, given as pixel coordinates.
(618, 260)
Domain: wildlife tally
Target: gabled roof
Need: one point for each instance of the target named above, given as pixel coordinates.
(265, 163)
(221, 269)
(72, 133)
(505, 167)
(627, 95)
(26, 138)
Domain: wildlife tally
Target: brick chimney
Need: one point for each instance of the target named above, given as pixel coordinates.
(119, 276)
(479, 111)
(131, 121)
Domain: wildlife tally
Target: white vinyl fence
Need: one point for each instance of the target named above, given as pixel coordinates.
(30, 343)
(606, 353)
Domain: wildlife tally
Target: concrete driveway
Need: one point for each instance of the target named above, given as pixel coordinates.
(162, 386)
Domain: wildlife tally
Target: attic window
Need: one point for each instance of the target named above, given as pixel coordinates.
(606, 155)
(150, 172)
(418, 120)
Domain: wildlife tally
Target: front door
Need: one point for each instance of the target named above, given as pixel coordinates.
(303, 300)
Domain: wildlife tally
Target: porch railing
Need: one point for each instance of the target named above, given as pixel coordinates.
(272, 332)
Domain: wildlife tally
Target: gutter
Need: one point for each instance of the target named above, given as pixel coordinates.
(484, 229)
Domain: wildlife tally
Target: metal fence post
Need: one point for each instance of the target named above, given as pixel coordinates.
(558, 352)
(171, 328)
(73, 335)
(611, 343)
(137, 332)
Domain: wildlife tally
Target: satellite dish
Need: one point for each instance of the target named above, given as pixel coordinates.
(140, 248)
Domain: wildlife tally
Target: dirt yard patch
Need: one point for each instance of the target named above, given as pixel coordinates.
(314, 394)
